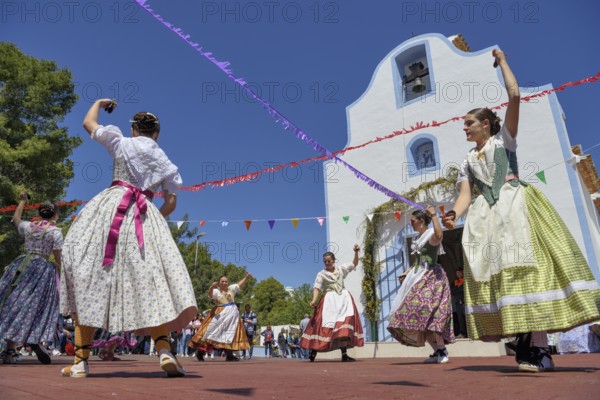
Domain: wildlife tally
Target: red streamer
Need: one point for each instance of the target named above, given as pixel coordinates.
(418, 126)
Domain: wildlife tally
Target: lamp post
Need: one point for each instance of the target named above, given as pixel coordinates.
(198, 236)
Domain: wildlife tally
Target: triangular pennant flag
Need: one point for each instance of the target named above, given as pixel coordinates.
(271, 223)
(202, 222)
(73, 217)
(224, 223)
(321, 220)
(248, 223)
(179, 223)
(370, 216)
(398, 215)
(346, 218)
(541, 176)
(295, 222)
(441, 208)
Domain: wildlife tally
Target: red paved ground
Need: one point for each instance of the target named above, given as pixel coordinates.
(138, 377)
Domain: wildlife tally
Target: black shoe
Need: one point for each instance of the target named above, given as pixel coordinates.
(41, 354)
(312, 356)
(232, 358)
(200, 355)
(539, 360)
(347, 358)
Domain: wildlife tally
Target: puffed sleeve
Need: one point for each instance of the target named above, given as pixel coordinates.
(23, 227)
(464, 174)
(346, 268)
(172, 183)
(108, 136)
(215, 294)
(235, 288)
(509, 142)
(318, 282)
(58, 239)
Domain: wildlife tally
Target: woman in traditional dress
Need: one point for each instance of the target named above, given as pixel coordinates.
(29, 287)
(423, 309)
(122, 270)
(223, 328)
(525, 274)
(335, 323)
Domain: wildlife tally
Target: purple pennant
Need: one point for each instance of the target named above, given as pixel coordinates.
(279, 117)
(271, 223)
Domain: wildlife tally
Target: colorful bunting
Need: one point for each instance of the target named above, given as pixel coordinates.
(295, 222)
(179, 223)
(321, 220)
(541, 176)
(398, 215)
(202, 222)
(370, 216)
(248, 223)
(224, 223)
(346, 218)
(271, 223)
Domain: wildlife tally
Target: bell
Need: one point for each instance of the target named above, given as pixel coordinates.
(418, 86)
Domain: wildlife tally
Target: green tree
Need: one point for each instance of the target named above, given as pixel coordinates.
(266, 294)
(35, 96)
(291, 309)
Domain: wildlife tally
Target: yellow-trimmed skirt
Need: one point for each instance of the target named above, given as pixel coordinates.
(222, 328)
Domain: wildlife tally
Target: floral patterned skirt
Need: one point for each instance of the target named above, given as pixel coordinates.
(29, 300)
(426, 307)
(142, 288)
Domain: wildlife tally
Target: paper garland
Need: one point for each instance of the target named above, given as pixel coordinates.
(274, 113)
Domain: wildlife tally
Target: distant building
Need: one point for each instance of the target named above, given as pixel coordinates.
(290, 290)
(433, 78)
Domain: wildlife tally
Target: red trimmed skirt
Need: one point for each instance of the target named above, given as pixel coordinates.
(335, 324)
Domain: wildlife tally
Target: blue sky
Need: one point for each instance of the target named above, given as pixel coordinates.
(310, 59)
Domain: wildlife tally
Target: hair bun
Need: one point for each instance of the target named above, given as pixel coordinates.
(47, 210)
(145, 122)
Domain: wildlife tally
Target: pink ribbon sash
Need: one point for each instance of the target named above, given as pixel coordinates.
(140, 209)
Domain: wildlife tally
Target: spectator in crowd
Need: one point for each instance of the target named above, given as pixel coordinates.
(303, 324)
(269, 336)
(250, 320)
(183, 339)
(458, 306)
(282, 342)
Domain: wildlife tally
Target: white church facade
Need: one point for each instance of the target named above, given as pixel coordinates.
(429, 78)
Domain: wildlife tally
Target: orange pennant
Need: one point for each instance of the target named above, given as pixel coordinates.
(248, 223)
(398, 215)
(202, 222)
(295, 222)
